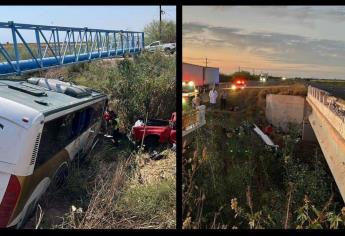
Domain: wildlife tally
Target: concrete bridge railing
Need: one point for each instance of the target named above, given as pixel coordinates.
(329, 107)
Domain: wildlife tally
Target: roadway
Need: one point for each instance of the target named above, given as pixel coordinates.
(263, 87)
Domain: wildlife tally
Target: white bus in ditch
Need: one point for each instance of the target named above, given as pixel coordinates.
(44, 125)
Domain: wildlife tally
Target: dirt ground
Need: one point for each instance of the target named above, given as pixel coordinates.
(152, 171)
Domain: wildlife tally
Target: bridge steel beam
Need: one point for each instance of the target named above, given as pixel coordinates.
(24, 54)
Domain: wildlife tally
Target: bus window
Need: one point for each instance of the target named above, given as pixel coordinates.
(82, 120)
(55, 136)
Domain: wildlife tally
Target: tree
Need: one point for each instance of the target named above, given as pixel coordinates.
(168, 32)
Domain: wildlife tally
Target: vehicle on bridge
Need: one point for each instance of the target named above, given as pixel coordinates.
(168, 48)
(155, 131)
(45, 124)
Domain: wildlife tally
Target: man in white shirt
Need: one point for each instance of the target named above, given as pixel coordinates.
(213, 97)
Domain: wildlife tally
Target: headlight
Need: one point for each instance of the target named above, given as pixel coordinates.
(191, 83)
(233, 87)
(183, 83)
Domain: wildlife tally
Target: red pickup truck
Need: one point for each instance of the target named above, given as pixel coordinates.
(156, 131)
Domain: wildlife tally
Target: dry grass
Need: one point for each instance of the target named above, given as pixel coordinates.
(134, 193)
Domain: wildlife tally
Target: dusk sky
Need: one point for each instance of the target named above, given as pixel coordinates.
(303, 41)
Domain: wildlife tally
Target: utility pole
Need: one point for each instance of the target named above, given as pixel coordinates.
(160, 21)
(203, 73)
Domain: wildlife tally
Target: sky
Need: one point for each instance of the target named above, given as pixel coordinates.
(291, 41)
(133, 18)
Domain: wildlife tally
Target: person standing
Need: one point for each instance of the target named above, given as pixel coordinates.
(213, 97)
(223, 100)
(107, 121)
(116, 132)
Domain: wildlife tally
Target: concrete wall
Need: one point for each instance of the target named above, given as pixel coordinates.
(284, 109)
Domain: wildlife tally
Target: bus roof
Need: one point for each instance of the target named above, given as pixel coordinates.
(31, 96)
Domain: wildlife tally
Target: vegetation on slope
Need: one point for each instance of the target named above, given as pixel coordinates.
(232, 181)
(109, 189)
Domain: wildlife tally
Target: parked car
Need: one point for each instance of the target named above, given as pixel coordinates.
(168, 48)
(155, 131)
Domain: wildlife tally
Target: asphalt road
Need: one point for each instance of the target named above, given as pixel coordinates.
(263, 87)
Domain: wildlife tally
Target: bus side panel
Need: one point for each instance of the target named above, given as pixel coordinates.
(48, 167)
(29, 183)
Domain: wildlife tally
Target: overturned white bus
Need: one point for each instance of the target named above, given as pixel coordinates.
(44, 124)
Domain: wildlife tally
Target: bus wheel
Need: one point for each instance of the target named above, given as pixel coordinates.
(59, 180)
